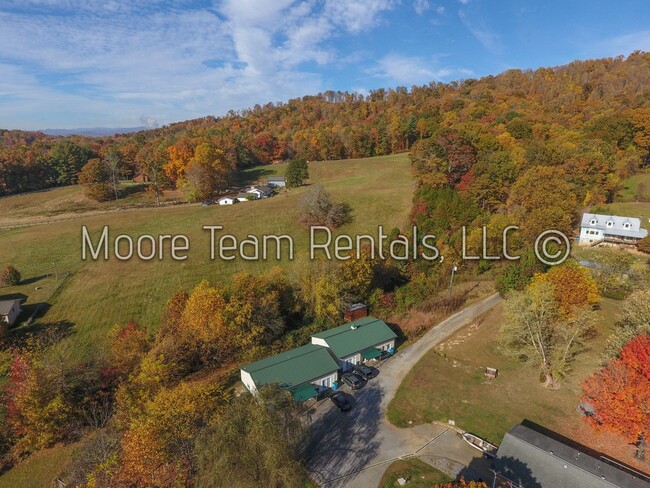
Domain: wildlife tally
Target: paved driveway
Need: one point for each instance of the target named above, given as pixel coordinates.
(353, 449)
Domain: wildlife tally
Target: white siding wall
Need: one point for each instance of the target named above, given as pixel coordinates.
(350, 361)
(325, 381)
(247, 379)
(588, 236)
(319, 342)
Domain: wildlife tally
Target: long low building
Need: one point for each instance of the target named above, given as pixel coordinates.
(304, 371)
(528, 458)
(357, 341)
(312, 368)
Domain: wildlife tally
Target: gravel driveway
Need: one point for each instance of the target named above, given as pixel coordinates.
(353, 449)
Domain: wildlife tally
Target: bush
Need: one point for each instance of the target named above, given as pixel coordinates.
(644, 245)
(10, 276)
(318, 208)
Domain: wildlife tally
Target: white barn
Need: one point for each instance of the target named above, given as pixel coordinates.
(278, 181)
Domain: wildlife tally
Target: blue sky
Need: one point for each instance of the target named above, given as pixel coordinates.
(120, 63)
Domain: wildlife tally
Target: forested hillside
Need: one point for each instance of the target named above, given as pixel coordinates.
(590, 116)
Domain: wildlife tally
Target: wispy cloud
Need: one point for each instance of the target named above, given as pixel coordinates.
(112, 61)
(482, 33)
(405, 70)
(624, 44)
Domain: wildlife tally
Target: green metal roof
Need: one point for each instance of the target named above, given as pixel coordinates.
(304, 392)
(371, 353)
(294, 367)
(356, 336)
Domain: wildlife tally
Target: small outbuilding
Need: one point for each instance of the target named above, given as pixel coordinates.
(245, 197)
(262, 191)
(227, 200)
(9, 311)
(277, 181)
(357, 341)
(305, 371)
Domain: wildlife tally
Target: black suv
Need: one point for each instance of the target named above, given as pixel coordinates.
(339, 400)
(352, 380)
(364, 371)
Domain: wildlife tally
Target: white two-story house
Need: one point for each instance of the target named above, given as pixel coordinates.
(610, 229)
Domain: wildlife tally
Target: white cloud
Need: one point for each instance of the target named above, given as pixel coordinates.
(489, 40)
(413, 70)
(421, 6)
(108, 62)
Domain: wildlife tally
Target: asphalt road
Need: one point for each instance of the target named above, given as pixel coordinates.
(353, 449)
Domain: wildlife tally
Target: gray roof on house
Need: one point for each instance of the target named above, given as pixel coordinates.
(6, 305)
(293, 367)
(536, 460)
(276, 178)
(616, 225)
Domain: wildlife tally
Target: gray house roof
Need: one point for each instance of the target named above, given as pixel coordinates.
(7, 305)
(275, 178)
(614, 225)
(536, 460)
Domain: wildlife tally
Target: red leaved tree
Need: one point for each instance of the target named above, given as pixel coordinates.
(620, 392)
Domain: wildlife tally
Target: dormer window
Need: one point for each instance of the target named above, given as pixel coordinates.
(627, 225)
(610, 223)
(593, 221)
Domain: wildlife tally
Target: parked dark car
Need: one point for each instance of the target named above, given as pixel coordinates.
(364, 371)
(207, 203)
(339, 400)
(384, 355)
(352, 380)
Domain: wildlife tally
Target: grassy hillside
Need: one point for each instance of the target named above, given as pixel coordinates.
(97, 295)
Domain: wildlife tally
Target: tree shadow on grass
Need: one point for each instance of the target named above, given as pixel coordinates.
(342, 443)
(251, 176)
(46, 333)
(34, 279)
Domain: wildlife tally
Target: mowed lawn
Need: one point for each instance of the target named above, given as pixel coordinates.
(70, 201)
(97, 295)
(448, 383)
(418, 474)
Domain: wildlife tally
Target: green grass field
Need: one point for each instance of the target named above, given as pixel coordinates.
(630, 190)
(97, 295)
(39, 470)
(418, 473)
(448, 383)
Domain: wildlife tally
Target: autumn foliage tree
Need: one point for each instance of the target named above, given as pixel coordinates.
(10, 276)
(620, 392)
(96, 180)
(537, 331)
(573, 286)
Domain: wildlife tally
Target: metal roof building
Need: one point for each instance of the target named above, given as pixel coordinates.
(531, 459)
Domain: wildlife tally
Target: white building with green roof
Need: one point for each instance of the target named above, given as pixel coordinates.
(304, 371)
(357, 341)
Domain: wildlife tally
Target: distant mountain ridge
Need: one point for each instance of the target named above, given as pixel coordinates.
(93, 131)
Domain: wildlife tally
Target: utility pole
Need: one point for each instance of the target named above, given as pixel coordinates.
(454, 270)
(56, 273)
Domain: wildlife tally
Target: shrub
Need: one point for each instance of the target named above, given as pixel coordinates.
(10, 276)
(318, 208)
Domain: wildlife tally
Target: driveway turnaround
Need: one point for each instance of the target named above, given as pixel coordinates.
(353, 449)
